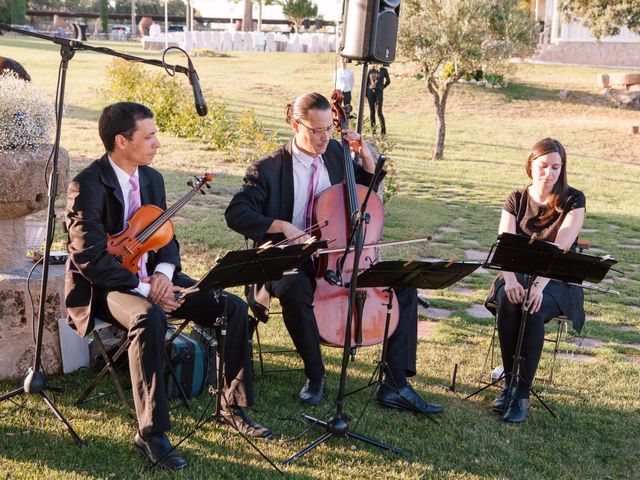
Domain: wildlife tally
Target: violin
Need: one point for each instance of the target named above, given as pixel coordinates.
(340, 203)
(149, 229)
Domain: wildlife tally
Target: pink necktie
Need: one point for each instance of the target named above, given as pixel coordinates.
(134, 204)
(311, 192)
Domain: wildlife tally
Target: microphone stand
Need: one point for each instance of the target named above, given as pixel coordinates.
(338, 425)
(35, 380)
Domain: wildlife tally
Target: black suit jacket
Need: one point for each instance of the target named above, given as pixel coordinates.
(267, 193)
(95, 207)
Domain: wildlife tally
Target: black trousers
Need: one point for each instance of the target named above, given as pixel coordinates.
(347, 99)
(375, 98)
(146, 324)
(509, 317)
(295, 293)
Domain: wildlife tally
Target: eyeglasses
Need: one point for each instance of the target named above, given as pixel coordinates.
(319, 130)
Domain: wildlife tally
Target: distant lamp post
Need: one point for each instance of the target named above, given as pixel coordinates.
(133, 18)
(166, 24)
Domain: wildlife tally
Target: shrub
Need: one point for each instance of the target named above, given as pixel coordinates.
(26, 117)
(242, 135)
(494, 78)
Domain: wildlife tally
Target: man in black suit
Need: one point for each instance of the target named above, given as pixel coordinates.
(272, 205)
(100, 199)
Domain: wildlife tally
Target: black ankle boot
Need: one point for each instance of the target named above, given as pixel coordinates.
(500, 403)
(517, 411)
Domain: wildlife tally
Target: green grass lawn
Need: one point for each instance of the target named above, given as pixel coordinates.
(488, 133)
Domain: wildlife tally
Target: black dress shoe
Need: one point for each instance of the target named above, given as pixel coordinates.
(406, 399)
(238, 419)
(517, 411)
(313, 391)
(158, 450)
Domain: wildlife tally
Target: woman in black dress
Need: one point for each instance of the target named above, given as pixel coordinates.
(550, 210)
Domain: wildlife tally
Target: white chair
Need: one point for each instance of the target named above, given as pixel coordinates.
(259, 42)
(238, 41)
(270, 42)
(227, 42)
(216, 40)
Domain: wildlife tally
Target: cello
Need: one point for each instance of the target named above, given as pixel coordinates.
(340, 204)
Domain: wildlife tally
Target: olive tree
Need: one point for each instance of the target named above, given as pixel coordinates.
(604, 17)
(447, 39)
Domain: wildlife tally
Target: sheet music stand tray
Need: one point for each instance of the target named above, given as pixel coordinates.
(235, 268)
(536, 258)
(420, 274)
(427, 274)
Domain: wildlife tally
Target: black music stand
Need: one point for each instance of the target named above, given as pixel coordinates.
(432, 275)
(241, 267)
(536, 258)
(421, 274)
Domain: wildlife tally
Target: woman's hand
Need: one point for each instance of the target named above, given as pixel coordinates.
(535, 298)
(515, 292)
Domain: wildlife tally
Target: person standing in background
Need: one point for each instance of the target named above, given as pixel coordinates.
(377, 80)
(344, 80)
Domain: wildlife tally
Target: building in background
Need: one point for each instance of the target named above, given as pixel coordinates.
(570, 42)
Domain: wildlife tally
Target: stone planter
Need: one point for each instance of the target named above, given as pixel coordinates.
(23, 191)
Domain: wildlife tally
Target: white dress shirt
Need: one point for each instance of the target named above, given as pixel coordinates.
(301, 178)
(344, 79)
(123, 180)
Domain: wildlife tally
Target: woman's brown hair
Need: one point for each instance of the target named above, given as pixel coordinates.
(559, 191)
(303, 103)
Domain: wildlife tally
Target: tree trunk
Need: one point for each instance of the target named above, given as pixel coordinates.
(247, 17)
(440, 102)
(438, 150)
(260, 15)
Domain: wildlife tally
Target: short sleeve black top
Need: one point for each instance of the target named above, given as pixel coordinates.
(527, 213)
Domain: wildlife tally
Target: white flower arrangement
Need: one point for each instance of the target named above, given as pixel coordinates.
(26, 116)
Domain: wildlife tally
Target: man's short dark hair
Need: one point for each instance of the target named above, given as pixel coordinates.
(120, 119)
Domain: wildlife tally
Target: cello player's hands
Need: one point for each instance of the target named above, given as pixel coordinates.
(358, 145)
(289, 230)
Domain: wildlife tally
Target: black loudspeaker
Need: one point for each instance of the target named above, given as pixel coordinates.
(371, 30)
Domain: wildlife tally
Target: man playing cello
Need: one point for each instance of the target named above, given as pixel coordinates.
(273, 205)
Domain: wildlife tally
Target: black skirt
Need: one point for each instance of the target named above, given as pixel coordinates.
(570, 298)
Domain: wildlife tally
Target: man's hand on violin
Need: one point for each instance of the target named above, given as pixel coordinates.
(161, 286)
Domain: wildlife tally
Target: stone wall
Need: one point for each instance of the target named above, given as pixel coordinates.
(588, 53)
(16, 329)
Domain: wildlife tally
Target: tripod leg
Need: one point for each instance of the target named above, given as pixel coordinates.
(377, 443)
(9, 395)
(318, 441)
(57, 413)
(535, 394)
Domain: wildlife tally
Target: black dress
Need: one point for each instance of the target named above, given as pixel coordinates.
(558, 298)
(569, 297)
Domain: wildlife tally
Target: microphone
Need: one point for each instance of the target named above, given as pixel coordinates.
(201, 104)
